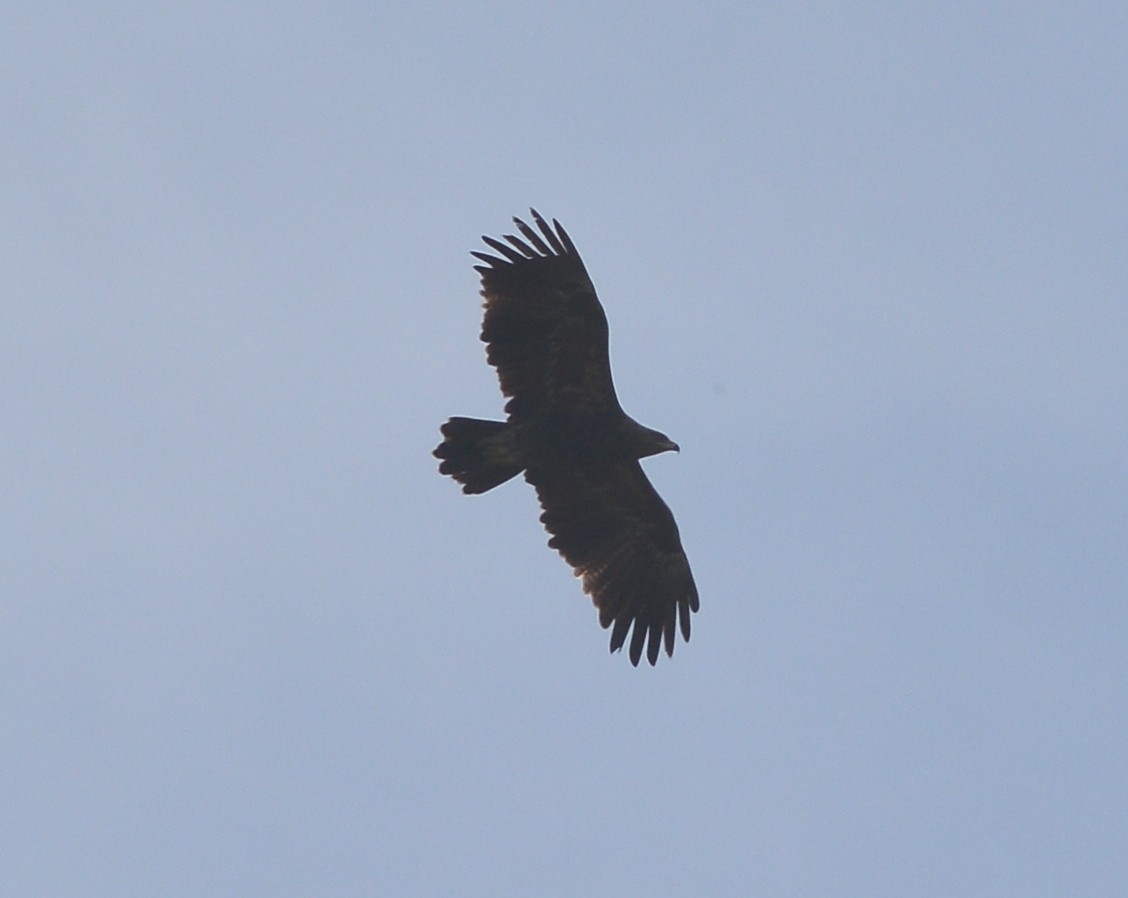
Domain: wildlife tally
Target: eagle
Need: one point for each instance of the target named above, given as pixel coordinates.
(546, 334)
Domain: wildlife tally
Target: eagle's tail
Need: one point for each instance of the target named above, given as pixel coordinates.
(478, 454)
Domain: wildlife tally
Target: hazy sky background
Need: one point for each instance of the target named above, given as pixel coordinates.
(865, 262)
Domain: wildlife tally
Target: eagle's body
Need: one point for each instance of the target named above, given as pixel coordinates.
(546, 334)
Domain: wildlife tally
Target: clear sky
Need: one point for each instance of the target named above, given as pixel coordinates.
(865, 262)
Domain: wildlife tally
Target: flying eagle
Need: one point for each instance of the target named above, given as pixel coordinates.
(546, 334)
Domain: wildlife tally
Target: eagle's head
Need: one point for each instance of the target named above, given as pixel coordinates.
(647, 442)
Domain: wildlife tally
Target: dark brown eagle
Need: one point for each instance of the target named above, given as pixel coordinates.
(546, 335)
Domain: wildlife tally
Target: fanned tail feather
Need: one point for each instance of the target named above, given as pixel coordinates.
(478, 454)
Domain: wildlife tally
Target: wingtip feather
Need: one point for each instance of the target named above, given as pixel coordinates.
(638, 637)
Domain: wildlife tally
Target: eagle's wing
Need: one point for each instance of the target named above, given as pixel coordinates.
(611, 525)
(545, 331)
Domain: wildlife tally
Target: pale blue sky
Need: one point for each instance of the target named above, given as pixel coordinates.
(864, 262)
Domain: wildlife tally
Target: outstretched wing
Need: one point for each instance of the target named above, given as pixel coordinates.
(611, 525)
(544, 329)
